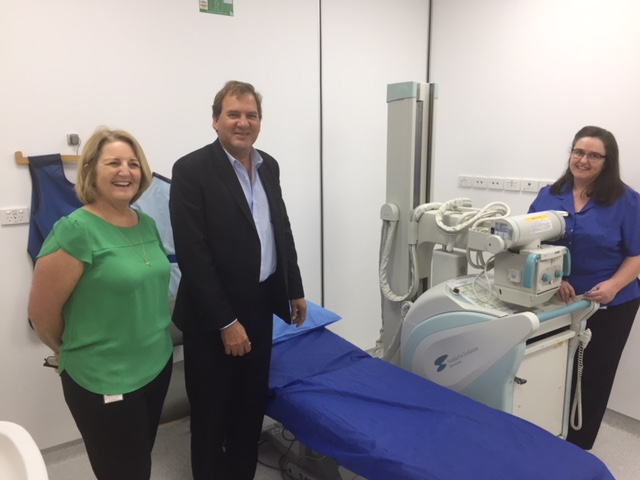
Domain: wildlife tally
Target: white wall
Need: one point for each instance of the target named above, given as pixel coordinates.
(68, 67)
(517, 80)
(366, 45)
(152, 69)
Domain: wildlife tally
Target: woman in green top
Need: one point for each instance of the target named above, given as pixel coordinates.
(100, 301)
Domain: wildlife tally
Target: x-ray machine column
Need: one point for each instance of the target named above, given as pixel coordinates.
(410, 118)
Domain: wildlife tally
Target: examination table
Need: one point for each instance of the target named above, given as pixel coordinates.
(385, 423)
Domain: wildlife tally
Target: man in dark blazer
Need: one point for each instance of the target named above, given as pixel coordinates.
(239, 266)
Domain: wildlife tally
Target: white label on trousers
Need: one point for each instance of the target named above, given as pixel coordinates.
(113, 398)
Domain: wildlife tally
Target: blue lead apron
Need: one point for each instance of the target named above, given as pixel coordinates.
(52, 197)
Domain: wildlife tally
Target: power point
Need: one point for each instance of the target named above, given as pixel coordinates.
(480, 182)
(465, 181)
(14, 215)
(530, 186)
(73, 139)
(512, 184)
(496, 183)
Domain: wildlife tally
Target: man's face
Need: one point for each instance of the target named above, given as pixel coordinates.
(238, 125)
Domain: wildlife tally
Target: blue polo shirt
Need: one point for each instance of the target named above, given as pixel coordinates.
(599, 238)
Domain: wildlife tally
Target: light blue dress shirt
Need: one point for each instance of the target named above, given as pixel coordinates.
(259, 206)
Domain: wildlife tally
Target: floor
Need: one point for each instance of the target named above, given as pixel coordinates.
(617, 446)
(170, 458)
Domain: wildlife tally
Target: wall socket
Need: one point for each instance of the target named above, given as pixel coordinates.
(495, 183)
(14, 215)
(512, 184)
(465, 181)
(480, 182)
(499, 183)
(529, 185)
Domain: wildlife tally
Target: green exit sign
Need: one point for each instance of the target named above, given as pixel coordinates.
(217, 7)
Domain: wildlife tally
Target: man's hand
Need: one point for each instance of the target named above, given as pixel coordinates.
(235, 340)
(298, 311)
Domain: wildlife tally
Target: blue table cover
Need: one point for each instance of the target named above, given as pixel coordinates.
(383, 422)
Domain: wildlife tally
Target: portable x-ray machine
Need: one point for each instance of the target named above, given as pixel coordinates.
(499, 336)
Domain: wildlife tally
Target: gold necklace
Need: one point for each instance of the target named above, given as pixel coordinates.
(142, 255)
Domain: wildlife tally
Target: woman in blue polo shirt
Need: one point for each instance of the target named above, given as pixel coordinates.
(603, 236)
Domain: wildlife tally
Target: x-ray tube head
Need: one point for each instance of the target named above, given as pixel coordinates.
(513, 233)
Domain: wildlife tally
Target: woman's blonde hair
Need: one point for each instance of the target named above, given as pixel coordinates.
(86, 183)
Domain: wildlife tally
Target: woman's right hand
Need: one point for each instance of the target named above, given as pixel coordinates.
(566, 292)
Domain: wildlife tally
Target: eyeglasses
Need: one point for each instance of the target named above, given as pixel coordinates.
(51, 361)
(578, 153)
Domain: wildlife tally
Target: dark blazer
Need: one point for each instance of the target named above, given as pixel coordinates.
(217, 244)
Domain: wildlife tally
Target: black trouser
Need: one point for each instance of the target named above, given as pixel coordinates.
(228, 396)
(610, 329)
(119, 436)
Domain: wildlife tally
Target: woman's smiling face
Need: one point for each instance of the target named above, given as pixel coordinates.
(118, 173)
(583, 166)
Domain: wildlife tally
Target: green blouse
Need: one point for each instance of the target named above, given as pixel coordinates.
(116, 335)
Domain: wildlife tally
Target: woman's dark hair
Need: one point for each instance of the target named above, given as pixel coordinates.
(607, 187)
